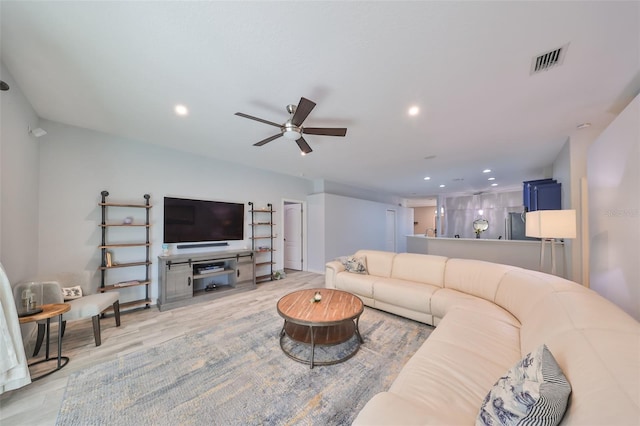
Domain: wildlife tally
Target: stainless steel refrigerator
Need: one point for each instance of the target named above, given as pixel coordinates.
(515, 227)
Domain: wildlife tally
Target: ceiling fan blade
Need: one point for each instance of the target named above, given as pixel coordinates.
(324, 131)
(250, 117)
(267, 140)
(302, 111)
(304, 146)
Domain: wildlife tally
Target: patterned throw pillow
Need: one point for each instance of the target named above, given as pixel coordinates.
(357, 265)
(70, 293)
(533, 392)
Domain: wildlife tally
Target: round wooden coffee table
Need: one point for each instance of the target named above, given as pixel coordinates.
(330, 321)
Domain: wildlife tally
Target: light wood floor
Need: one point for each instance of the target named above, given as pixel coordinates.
(39, 402)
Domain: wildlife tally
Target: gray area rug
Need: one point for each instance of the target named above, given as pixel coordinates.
(236, 374)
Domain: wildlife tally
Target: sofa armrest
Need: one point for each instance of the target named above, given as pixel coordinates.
(331, 272)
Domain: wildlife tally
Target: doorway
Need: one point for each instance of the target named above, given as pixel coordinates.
(293, 235)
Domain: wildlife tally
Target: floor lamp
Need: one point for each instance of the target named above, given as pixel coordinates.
(549, 225)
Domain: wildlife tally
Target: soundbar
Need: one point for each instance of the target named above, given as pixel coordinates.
(185, 246)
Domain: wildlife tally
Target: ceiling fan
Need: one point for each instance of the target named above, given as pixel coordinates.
(292, 129)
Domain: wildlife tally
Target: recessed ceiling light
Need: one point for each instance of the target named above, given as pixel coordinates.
(494, 184)
(491, 178)
(583, 125)
(427, 178)
(181, 110)
(442, 186)
(414, 110)
(486, 171)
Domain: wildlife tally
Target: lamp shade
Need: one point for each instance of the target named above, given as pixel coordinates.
(551, 224)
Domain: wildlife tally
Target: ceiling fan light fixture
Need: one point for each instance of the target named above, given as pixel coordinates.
(292, 134)
(292, 129)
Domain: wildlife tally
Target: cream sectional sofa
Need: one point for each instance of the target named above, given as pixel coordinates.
(488, 316)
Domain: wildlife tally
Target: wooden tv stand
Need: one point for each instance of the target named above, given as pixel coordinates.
(195, 277)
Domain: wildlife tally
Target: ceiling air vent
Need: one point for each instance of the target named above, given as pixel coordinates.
(548, 60)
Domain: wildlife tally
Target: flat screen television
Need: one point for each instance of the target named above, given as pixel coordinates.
(201, 220)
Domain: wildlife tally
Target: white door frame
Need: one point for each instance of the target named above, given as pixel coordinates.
(304, 230)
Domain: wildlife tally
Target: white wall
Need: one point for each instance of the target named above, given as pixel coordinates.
(316, 232)
(614, 210)
(570, 168)
(77, 164)
(18, 183)
(351, 224)
(329, 187)
(562, 173)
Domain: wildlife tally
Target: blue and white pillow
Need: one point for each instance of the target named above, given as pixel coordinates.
(357, 265)
(70, 293)
(533, 392)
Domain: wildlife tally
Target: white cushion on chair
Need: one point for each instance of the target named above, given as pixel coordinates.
(91, 305)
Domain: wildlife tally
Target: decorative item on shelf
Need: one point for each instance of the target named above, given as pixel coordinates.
(109, 259)
(278, 275)
(165, 249)
(127, 220)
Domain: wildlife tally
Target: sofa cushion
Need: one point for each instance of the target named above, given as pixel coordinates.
(602, 367)
(411, 295)
(378, 262)
(564, 311)
(389, 409)
(597, 345)
(358, 284)
(536, 285)
(534, 391)
(459, 362)
(422, 268)
(446, 299)
(475, 277)
(91, 305)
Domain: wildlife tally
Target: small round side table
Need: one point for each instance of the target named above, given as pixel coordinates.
(49, 311)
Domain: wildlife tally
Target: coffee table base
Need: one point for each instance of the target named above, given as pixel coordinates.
(320, 336)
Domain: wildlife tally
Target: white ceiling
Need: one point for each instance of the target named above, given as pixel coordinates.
(121, 67)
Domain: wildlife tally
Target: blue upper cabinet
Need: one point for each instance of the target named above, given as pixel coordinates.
(543, 194)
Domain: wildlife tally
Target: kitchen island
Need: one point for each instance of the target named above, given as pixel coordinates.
(522, 253)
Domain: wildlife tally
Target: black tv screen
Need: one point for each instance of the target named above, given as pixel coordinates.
(200, 220)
